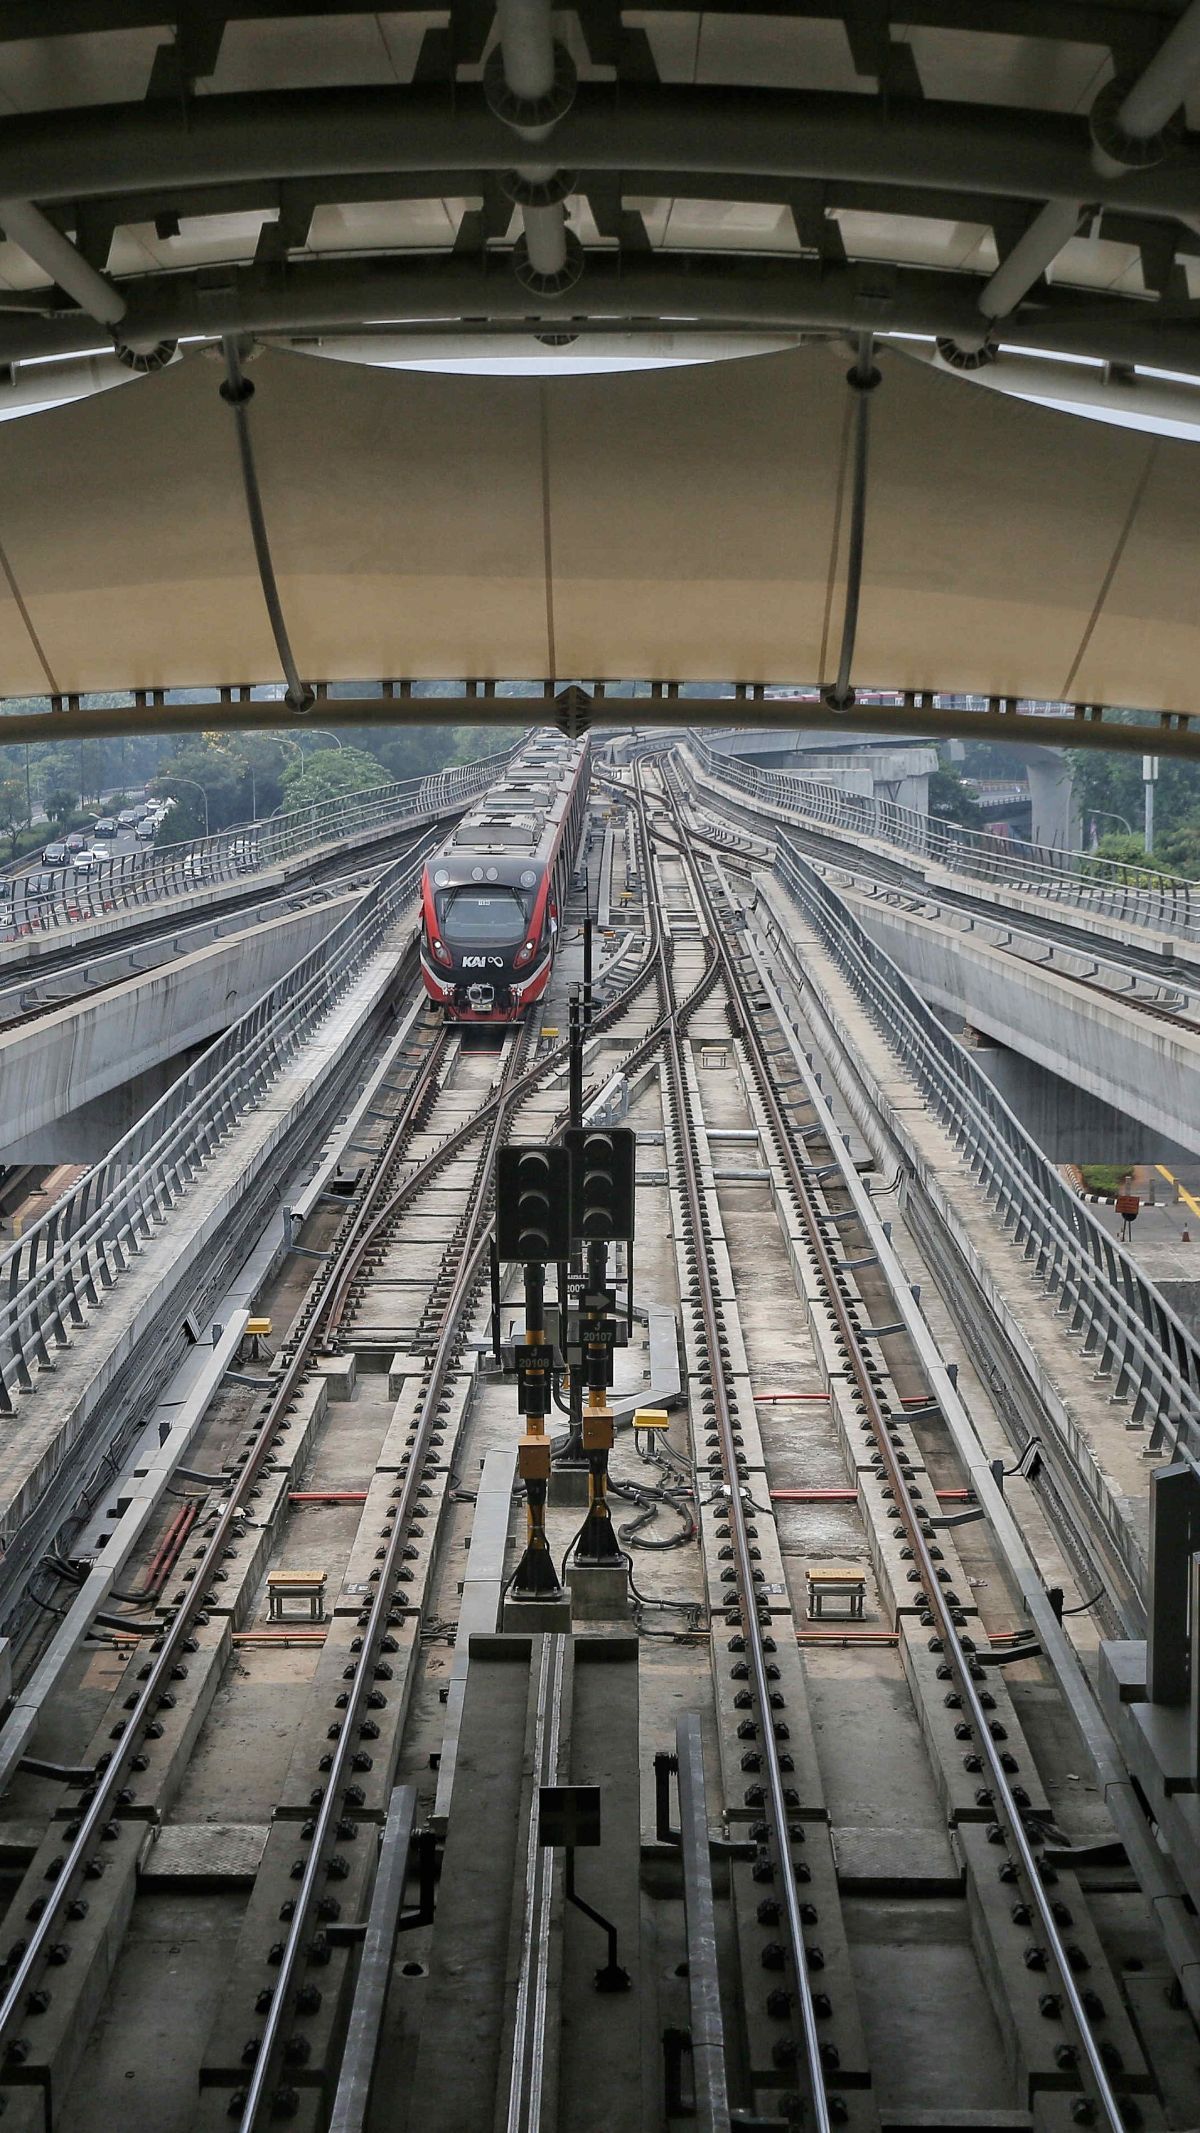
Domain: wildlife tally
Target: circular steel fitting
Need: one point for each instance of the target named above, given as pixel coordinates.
(538, 192)
(145, 360)
(530, 114)
(966, 359)
(549, 284)
(1122, 149)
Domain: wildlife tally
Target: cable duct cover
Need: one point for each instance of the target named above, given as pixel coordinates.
(688, 516)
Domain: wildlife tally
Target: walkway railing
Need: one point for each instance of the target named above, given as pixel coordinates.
(1131, 1333)
(41, 901)
(67, 1261)
(1096, 887)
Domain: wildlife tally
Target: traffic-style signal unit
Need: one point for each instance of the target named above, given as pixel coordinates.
(602, 1183)
(533, 1210)
(549, 1202)
(602, 1205)
(533, 1204)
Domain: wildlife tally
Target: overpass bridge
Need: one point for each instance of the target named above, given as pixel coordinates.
(862, 1296)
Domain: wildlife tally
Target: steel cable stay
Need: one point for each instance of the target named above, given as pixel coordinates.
(238, 391)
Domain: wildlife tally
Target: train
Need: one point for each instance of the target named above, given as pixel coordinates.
(491, 897)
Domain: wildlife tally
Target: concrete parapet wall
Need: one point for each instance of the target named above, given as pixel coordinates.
(1147, 1068)
(68, 1058)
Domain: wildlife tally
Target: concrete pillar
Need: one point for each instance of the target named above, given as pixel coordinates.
(1055, 809)
(1174, 1537)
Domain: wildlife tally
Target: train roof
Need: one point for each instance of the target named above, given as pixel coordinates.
(522, 812)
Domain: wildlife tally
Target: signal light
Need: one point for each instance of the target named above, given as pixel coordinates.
(533, 1204)
(602, 1183)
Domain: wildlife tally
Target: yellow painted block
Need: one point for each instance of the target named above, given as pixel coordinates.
(652, 1418)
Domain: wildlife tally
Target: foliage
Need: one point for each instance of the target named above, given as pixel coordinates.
(1104, 1177)
(952, 800)
(14, 812)
(198, 773)
(329, 772)
(1111, 784)
(59, 802)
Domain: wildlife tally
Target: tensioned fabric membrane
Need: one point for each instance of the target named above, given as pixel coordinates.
(676, 524)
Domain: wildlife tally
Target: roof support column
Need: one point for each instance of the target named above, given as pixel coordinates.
(27, 226)
(529, 81)
(1129, 123)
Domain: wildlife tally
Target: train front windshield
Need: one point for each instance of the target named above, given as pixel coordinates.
(481, 918)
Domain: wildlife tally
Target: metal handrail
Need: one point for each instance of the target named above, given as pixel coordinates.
(1102, 888)
(135, 878)
(75, 1252)
(1137, 1342)
(1130, 1330)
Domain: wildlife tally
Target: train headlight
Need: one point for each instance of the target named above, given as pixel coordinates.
(442, 953)
(523, 954)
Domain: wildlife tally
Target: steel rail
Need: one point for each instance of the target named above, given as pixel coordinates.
(1144, 895)
(808, 2040)
(1119, 1314)
(947, 1629)
(99, 1809)
(258, 2099)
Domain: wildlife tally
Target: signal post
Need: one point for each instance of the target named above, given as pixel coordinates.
(532, 1227)
(602, 1202)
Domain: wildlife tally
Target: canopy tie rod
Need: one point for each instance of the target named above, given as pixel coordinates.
(237, 391)
(862, 380)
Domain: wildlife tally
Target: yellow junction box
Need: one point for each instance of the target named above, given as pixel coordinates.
(533, 1458)
(652, 1418)
(598, 1430)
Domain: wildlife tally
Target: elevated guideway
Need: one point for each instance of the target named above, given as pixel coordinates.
(46, 917)
(86, 1042)
(1092, 975)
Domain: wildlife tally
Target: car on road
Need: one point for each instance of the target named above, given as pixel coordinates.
(55, 855)
(148, 827)
(91, 860)
(76, 842)
(42, 888)
(106, 827)
(128, 817)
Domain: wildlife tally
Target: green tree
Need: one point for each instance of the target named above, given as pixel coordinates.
(60, 804)
(198, 771)
(14, 812)
(952, 799)
(328, 773)
(260, 760)
(1179, 849)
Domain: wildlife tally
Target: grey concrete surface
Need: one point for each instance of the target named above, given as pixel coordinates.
(60, 1062)
(1147, 1067)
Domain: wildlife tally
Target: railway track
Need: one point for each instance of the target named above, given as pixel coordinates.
(830, 1248)
(386, 1330)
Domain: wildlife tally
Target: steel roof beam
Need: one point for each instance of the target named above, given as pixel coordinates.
(111, 150)
(1081, 727)
(1120, 24)
(420, 292)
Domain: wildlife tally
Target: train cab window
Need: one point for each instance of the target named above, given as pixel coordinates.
(481, 917)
